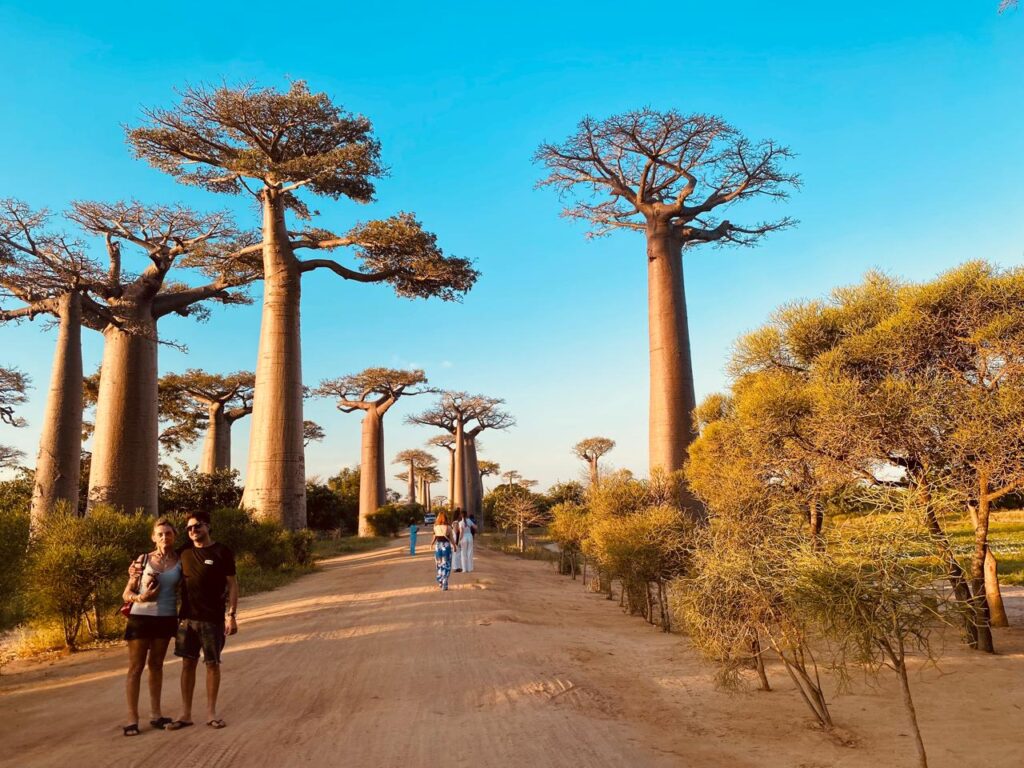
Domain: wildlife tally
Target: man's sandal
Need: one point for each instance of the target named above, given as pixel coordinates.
(177, 725)
(131, 730)
(161, 722)
(218, 723)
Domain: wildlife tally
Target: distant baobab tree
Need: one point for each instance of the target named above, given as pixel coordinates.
(447, 441)
(272, 145)
(211, 402)
(416, 460)
(125, 453)
(455, 413)
(46, 273)
(669, 176)
(486, 467)
(311, 433)
(373, 392)
(13, 384)
(591, 450)
(1006, 5)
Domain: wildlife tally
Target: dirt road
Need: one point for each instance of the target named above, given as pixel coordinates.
(367, 664)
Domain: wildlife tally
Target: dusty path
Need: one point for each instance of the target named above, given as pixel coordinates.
(366, 664)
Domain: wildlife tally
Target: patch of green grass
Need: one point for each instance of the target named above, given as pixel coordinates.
(1005, 538)
(534, 546)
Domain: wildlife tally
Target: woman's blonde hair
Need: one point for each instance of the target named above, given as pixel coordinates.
(442, 519)
(164, 521)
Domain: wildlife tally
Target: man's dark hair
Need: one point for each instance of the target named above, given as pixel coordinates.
(202, 517)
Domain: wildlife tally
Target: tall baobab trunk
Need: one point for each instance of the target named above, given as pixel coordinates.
(125, 454)
(275, 485)
(672, 393)
(58, 464)
(382, 483)
(459, 493)
(451, 478)
(594, 479)
(474, 490)
(411, 490)
(217, 442)
(370, 470)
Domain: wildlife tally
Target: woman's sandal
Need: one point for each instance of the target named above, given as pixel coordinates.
(161, 722)
(218, 723)
(177, 725)
(131, 730)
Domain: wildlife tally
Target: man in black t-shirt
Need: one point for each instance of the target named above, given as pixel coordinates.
(209, 600)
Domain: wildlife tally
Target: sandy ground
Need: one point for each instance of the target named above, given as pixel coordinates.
(367, 664)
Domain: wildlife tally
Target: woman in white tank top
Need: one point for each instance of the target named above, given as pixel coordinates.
(152, 622)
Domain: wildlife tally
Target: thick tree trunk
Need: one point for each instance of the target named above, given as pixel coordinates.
(672, 394)
(125, 451)
(59, 461)
(275, 482)
(979, 599)
(474, 489)
(451, 478)
(382, 482)
(460, 467)
(411, 490)
(217, 442)
(993, 595)
(370, 470)
(593, 471)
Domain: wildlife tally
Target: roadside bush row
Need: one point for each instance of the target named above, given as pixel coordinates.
(73, 569)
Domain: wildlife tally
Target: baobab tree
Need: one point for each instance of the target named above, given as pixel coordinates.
(124, 465)
(47, 273)
(670, 176)
(213, 402)
(271, 145)
(373, 392)
(455, 413)
(591, 450)
(486, 468)
(512, 477)
(447, 441)
(426, 477)
(13, 384)
(416, 460)
(488, 415)
(311, 433)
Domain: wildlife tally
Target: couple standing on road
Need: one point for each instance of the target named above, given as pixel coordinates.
(204, 575)
(455, 539)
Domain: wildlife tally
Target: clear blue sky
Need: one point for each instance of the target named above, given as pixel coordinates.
(907, 119)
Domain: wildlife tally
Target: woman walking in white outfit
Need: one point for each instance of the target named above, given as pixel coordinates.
(457, 531)
(466, 547)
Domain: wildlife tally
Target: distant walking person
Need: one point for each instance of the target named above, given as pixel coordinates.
(443, 543)
(209, 600)
(413, 528)
(466, 542)
(457, 530)
(153, 593)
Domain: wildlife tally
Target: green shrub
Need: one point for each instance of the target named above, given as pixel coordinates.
(390, 519)
(78, 565)
(193, 491)
(14, 523)
(326, 510)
